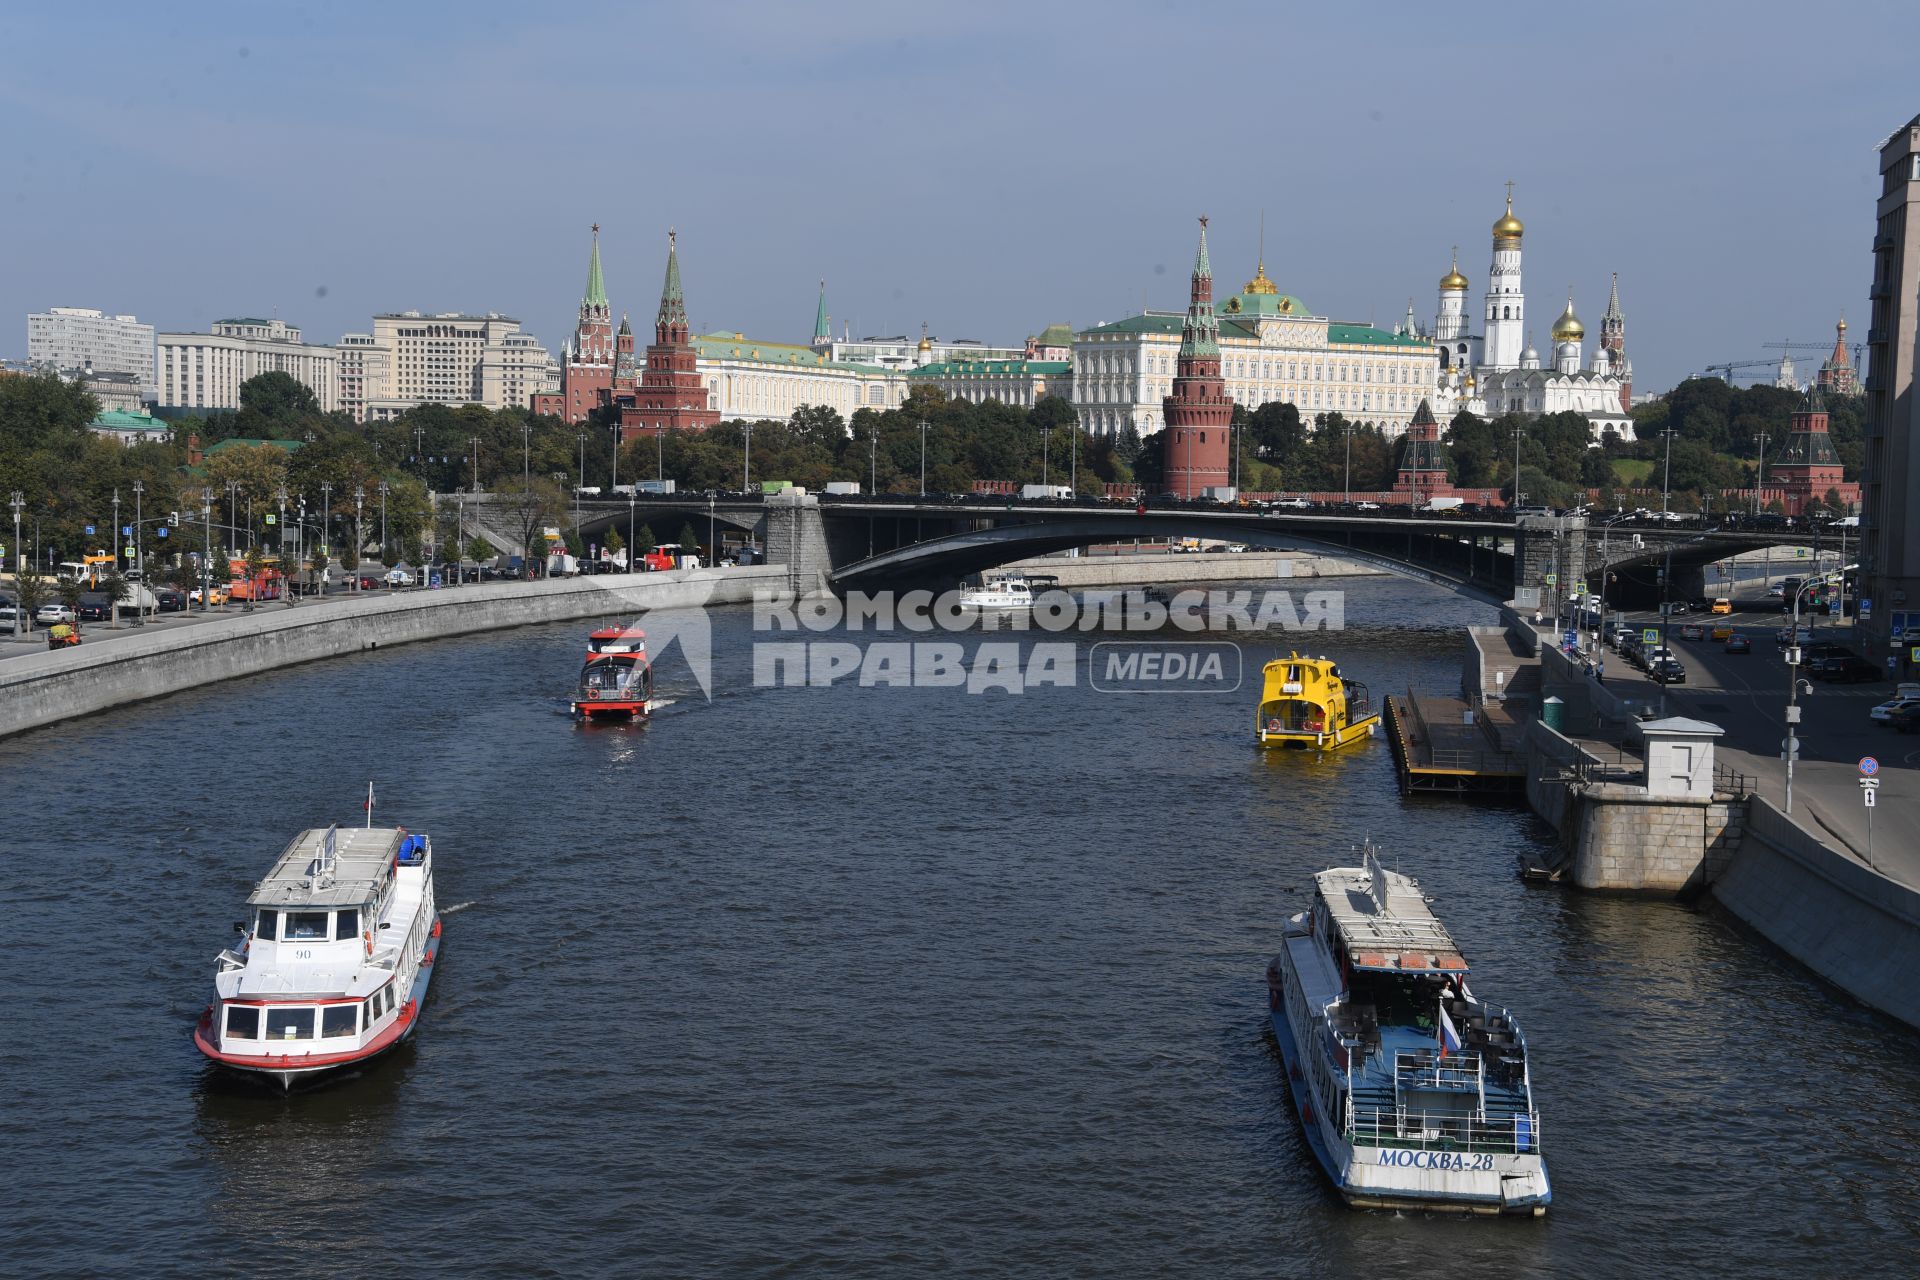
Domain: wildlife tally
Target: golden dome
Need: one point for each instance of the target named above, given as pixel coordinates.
(1453, 279)
(926, 343)
(1568, 327)
(1509, 227)
(1260, 283)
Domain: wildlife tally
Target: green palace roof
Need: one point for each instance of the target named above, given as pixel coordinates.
(733, 346)
(1170, 322)
(123, 420)
(1265, 304)
(1367, 335)
(1002, 368)
(1056, 335)
(1167, 322)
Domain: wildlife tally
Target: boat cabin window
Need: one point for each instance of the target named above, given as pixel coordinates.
(304, 926)
(243, 1022)
(263, 927)
(346, 923)
(340, 1020)
(290, 1024)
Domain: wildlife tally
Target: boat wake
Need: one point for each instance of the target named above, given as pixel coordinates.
(458, 906)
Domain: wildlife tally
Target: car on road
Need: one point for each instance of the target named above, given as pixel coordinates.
(1776, 592)
(368, 582)
(171, 599)
(1366, 506)
(1886, 710)
(1849, 669)
(1693, 631)
(1906, 719)
(10, 614)
(1666, 671)
(215, 595)
(1722, 605)
(49, 615)
(399, 578)
(95, 608)
(1739, 644)
(1290, 504)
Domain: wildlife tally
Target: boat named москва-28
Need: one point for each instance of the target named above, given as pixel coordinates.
(336, 959)
(1412, 1093)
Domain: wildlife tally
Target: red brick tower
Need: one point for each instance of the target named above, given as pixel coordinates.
(1423, 465)
(1199, 413)
(588, 371)
(1807, 466)
(670, 396)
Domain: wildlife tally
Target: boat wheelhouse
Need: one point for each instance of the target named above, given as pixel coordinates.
(617, 680)
(1413, 1093)
(1308, 702)
(334, 961)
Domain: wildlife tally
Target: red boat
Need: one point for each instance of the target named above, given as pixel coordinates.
(617, 681)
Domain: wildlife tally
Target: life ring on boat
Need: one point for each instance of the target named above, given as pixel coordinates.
(368, 935)
(593, 695)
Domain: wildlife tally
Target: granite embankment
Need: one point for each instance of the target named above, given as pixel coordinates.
(44, 688)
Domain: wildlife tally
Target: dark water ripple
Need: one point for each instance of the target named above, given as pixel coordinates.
(873, 983)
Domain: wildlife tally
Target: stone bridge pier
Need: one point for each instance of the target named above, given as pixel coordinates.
(1548, 547)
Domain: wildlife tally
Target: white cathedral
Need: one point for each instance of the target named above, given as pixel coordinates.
(1500, 371)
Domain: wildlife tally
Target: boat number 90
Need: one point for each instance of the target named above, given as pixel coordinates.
(304, 953)
(1451, 1161)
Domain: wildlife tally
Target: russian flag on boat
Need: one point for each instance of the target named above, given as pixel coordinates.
(1449, 1038)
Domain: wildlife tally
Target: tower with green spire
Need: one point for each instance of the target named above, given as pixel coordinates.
(822, 331)
(586, 371)
(1199, 414)
(670, 395)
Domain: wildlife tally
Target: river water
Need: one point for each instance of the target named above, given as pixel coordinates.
(866, 982)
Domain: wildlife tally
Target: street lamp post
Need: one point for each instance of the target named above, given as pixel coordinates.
(581, 484)
(475, 442)
(233, 517)
(713, 547)
(113, 606)
(924, 428)
(1516, 468)
(1791, 747)
(1046, 456)
(526, 455)
(17, 502)
(873, 464)
(326, 529)
(383, 532)
(746, 456)
(459, 539)
(1349, 462)
(206, 558)
(359, 530)
(631, 499)
(1666, 477)
(286, 580)
(139, 559)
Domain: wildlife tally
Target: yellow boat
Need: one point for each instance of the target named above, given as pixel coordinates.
(1306, 702)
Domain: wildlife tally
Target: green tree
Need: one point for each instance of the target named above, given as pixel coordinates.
(116, 588)
(32, 589)
(256, 561)
(643, 541)
(478, 549)
(689, 540)
(279, 398)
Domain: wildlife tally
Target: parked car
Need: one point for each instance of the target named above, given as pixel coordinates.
(1847, 670)
(1366, 506)
(95, 608)
(171, 599)
(1739, 644)
(399, 578)
(1693, 631)
(215, 595)
(9, 614)
(368, 582)
(1907, 718)
(1885, 712)
(48, 615)
(1666, 671)
(1290, 504)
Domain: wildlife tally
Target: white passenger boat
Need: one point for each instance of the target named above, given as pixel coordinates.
(335, 960)
(1412, 1092)
(999, 591)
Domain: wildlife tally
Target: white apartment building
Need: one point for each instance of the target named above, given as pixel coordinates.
(70, 338)
(450, 358)
(205, 370)
(365, 366)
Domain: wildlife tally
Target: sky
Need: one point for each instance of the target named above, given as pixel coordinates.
(986, 169)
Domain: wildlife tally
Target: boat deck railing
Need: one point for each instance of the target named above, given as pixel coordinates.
(1462, 1072)
(1515, 1134)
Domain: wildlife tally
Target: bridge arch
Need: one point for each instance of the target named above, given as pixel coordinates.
(1484, 573)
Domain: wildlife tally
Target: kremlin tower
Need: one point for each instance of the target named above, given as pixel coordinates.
(1807, 466)
(1837, 375)
(1423, 461)
(1199, 415)
(586, 374)
(670, 395)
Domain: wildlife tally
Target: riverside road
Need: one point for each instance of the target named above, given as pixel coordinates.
(1746, 694)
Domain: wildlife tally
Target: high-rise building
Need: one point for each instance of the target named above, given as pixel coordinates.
(205, 370)
(365, 366)
(1199, 414)
(1890, 506)
(74, 338)
(452, 358)
(671, 395)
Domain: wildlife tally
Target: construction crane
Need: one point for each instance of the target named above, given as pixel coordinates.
(1725, 371)
(1858, 349)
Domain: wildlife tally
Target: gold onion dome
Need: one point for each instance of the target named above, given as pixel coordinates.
(1453, 279)
(1568, 327)
(1509, 227)
(1260, 283)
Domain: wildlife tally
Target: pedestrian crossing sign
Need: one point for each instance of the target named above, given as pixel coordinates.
(1650, 636)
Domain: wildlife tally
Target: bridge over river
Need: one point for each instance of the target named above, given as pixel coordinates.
(871, 543)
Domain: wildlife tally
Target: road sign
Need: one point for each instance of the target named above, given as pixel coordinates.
(89, 531)
(1866, 610)
(1553, 579)
(163, 531)
(1868, 766)
(1581, 586)
(1867, 796)
(126, 531)
(1650, 635)
(269, 517)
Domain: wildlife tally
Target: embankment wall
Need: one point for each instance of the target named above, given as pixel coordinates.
(45, 688)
